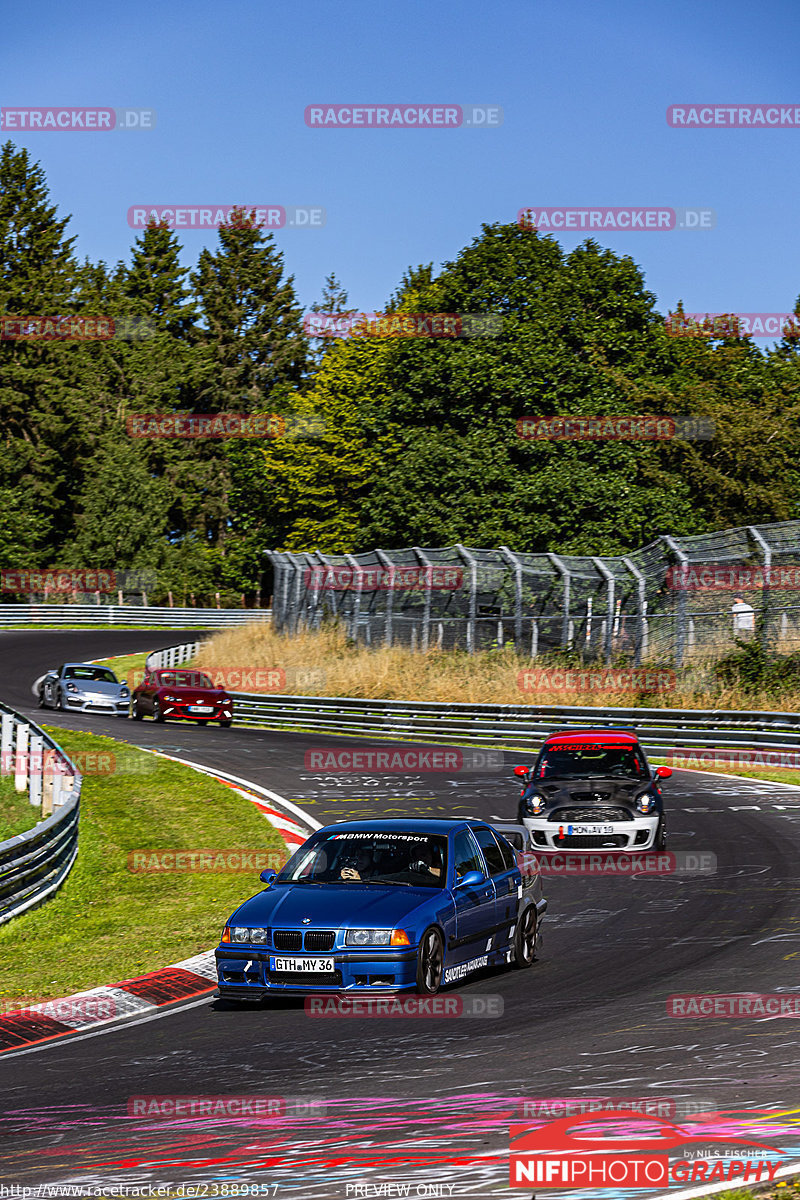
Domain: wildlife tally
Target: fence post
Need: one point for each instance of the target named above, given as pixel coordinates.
(35, 772)
(766, 550)
(680, 630)
(608, 624)
(47, 783)
(517, 565)
(387, 562)
(473, 596)
(426, 612)
(566, 635)
(21, 759)
(639, 648)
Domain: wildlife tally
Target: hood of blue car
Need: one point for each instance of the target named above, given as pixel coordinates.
(333, 905)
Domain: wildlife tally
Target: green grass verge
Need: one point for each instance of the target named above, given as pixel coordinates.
(108, 923)
(16, 814)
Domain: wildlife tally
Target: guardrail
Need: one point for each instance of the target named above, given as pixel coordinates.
(129, 614)
(35, 863)
(505, 726)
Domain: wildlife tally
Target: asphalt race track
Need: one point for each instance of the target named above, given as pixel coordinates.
(427, 1100)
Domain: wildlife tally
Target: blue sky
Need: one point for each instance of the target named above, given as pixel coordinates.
(583, 86)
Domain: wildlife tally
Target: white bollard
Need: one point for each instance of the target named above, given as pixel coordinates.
(21, 759)
(6, 743)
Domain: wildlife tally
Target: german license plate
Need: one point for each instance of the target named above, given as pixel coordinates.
(312, 965)
(201, 708)
(598, 829)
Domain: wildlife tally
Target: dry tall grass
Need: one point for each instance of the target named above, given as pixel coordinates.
(326, 663)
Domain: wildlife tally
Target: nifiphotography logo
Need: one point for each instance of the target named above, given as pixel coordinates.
(619, 1149)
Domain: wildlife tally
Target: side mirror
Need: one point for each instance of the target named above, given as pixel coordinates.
(663, 772)
(471, 879)
(268, 875)
(520, 771)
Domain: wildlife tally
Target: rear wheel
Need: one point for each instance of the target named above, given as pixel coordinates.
(525, 939)
(157, 713)
(41, 698)
(430, 962)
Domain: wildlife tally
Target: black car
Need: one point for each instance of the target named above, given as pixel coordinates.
(593, 789)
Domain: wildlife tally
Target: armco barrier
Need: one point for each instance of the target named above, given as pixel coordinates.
(34, 864)
(519, 727)
(130, 614)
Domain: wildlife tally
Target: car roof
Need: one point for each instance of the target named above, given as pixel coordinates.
(442, 825)
(597, 737)
(91, 666)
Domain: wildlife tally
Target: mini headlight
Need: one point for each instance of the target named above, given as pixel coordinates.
(367, 937)
(240, 934)
(535, 804)
(645, 803)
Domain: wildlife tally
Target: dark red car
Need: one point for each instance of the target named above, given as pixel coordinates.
(183, 694)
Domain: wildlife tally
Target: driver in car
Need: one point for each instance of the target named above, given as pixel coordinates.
(357, 866)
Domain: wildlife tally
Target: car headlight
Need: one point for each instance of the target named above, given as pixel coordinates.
(71, 687)
(172, 699)
(534, 805)
(240, 934)
(123, 691)
(258, 935)
(646, 803)
(368, 937)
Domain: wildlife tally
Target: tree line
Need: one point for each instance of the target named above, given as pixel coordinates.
(385, 441)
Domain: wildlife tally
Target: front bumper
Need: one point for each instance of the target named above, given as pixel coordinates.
(637, 834)
(180, 712)
(245, 973)
(96, 704)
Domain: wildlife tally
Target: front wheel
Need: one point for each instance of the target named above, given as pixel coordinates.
(60, 705)
(157, 713)
(661, 835)
(430, 962)
(525, 939)
(225, 724)
(41, 699)
(136, 712)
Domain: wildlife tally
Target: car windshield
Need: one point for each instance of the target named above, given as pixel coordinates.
(93, 674)
(370, 856)
(591, 761)
(181, 678)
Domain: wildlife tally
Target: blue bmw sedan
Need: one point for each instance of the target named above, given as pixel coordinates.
(384, 906)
